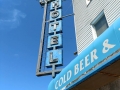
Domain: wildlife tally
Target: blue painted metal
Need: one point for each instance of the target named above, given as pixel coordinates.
(59, 45)
(104, 46)
(57, 54)
(58, 29)
(60, 5)
(94, 71)
(58, 18)
(54, 46)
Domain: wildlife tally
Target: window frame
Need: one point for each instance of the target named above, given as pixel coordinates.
(94, 32)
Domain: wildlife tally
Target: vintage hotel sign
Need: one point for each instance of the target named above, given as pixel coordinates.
(100, 53)
(54, 54)
(53, 57)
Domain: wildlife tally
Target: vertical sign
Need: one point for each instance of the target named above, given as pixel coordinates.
(54, 46)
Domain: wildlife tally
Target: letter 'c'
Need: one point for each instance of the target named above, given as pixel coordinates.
(56, 85)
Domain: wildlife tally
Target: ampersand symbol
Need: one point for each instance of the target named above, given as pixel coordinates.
(107, 46)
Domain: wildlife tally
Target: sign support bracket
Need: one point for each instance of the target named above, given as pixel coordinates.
(42, 40)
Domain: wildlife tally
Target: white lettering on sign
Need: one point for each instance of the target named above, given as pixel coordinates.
(93, 55)
(54, 25)
(76, 69)
(56, 85)
(107, 46)
(55, 4)
(83, 64)
(87, 61)
(63, 79)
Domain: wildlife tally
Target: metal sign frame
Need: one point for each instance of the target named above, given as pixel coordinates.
(54, 36)
(55, 23)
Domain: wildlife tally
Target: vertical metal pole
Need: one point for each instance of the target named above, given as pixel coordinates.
(42, 40)
(53, 70)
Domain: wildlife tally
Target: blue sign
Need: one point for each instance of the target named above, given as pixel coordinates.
(54, 56)
(55, 5)
(54, 46)
(55, 26)
(100, 53)
(54, 41)
(55, 15)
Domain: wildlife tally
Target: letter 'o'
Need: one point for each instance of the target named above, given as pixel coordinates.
(60, 81)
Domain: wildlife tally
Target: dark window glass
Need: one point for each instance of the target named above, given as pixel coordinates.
(101, 25)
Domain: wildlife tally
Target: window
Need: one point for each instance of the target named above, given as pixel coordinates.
(99, 25)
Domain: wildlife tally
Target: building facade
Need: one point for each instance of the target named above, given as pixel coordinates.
(90, 16)
(97, 66)
(87, 15)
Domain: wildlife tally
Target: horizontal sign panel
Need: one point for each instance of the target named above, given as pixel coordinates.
(92, 57)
